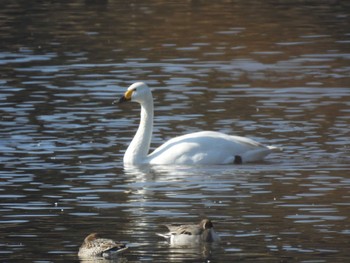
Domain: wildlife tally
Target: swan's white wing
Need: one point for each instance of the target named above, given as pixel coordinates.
(208, 147)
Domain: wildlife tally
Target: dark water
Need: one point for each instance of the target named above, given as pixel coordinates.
(274, 71)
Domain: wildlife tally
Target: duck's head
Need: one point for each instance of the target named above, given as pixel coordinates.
(91, 237)
(206, 224)
(138, 92)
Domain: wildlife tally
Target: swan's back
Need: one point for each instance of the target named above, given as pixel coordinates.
(208, 147)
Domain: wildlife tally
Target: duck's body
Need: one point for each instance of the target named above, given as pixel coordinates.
(206, 147)
(94, 246)
(192, 234)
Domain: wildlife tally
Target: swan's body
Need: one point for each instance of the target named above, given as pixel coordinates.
(191, 234)
(94, 246)
(206, 147)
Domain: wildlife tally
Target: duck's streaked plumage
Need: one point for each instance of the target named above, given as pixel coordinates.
(94, 246)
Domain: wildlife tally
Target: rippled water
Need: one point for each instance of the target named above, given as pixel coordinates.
(277, 72)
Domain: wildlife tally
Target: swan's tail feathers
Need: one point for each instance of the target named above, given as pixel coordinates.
(259, 154)
(275, 148)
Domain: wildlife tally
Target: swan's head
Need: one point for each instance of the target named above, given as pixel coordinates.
(138, 92)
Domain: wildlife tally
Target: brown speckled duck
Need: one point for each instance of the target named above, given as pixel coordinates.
(94, 246)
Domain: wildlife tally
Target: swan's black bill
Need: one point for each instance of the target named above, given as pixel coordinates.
(121, 100)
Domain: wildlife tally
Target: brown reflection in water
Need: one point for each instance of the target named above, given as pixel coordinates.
(276, 70)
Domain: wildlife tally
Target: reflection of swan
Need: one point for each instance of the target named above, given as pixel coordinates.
(94, 246)
(189, 235)
(206, 147)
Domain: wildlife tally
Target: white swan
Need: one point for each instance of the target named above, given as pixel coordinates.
(205, 147)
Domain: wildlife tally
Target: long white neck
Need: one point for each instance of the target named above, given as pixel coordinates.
(139, 147)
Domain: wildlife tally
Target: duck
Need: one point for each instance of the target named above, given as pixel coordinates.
(95, 246)
(191, 234)
(198, 148)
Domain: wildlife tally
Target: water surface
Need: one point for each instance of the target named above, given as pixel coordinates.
(277, 72)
